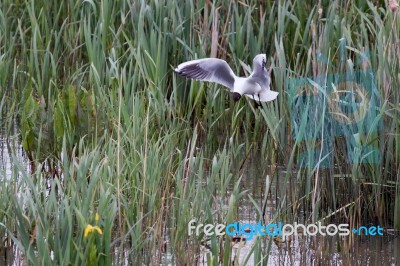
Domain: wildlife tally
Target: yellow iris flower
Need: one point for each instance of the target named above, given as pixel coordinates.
(90, 229)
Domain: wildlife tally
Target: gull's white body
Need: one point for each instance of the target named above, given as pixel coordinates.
(256, 86)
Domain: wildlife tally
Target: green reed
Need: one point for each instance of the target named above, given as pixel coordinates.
(109, 129)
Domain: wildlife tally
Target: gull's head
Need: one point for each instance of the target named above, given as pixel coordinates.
(260, 61)
(236, 96)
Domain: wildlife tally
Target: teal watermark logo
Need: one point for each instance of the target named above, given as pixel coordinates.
(279, 229)
(368, 231)
(343, 106)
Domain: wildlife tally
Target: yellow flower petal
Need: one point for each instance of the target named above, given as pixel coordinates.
(88, 230)
(98, 229)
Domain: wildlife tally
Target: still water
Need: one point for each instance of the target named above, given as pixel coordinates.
(296, 250)
(300, 249)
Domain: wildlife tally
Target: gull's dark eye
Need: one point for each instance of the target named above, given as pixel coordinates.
(264, 63)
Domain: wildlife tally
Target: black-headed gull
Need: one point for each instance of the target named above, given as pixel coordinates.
(255, 86)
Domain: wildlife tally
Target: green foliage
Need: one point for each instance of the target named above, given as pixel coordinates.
(92, 88)
(44, 125)
(30, 123)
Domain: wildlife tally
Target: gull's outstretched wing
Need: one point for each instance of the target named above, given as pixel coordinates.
(208, 69)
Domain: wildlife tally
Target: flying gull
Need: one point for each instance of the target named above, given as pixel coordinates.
(256, 86)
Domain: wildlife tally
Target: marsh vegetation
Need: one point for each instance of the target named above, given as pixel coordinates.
(113, 139)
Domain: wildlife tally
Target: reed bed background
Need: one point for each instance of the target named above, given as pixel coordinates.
(88, 88)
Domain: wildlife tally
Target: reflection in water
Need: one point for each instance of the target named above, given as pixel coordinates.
(6, 255)
(308, 250)
(9, 255)
(296, 250)
(10, 146)
(10, 149)
(301, 250)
